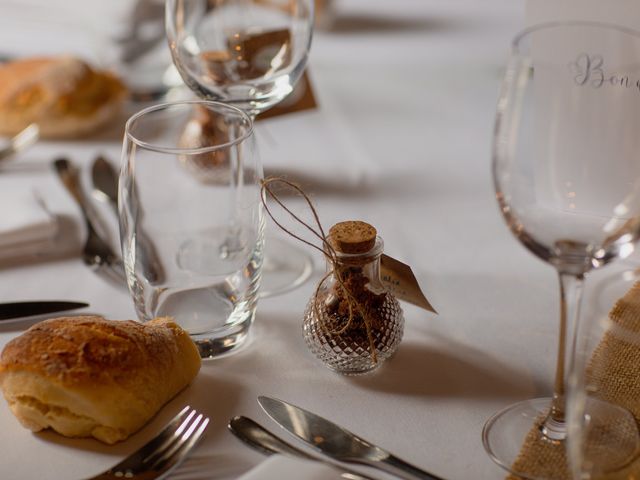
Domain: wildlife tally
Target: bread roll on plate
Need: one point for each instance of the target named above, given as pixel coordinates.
(91, 377)
(63, 95)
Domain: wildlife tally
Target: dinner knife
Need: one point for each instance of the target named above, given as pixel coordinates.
(28, 309)
(337, 442)
(259, 438)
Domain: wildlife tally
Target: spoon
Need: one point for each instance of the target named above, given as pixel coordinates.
(105, 181)
(259, 438)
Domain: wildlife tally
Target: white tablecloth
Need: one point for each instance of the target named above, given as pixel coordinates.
(412, 85)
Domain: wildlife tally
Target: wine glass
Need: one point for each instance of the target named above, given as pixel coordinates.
(567, 178)
(192, 250)
(603, 391)
(249, 53)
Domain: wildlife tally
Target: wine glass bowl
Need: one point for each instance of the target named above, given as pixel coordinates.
(567, 181)
(565, 164)
(249, 53)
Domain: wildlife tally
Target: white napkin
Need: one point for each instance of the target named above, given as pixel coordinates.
(24, 220)
(28, 231)
(277, 467)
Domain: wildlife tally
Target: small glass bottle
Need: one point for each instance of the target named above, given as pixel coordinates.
(352, 323)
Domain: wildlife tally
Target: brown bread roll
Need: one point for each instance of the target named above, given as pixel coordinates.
(63, 95)
(87, 376)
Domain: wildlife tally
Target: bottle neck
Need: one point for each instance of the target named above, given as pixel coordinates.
(366, 264)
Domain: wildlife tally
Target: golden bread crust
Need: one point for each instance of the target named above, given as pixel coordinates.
(87, 376)
(88, 349)
(63, 95)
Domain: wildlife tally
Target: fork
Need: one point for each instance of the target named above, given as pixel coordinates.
(163, 453)
(96, 253)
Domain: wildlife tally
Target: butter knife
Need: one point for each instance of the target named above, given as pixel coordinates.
(259, 438)
(337, 442)
(28, 309)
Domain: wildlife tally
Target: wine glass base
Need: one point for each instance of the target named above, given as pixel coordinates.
(286, 266)
(514, 438)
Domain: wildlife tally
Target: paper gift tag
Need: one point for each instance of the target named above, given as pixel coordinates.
(302, 98)
(259, 54)
(400, 280)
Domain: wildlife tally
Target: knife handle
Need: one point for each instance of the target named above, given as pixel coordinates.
(399, 467)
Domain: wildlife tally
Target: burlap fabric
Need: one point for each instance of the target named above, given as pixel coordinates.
(613, 373)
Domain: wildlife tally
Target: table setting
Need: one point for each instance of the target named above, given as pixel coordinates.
(335, 239)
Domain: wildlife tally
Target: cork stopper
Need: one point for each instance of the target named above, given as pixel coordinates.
(352, 236)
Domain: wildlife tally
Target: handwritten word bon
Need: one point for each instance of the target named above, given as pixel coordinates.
(589, 70)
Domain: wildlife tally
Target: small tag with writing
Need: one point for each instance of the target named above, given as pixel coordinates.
(302, 98)
(400, 280)
(256, 55)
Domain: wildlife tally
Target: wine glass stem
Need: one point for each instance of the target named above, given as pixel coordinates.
(571, 285)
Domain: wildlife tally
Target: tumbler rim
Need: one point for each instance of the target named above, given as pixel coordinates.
(181, 150)
(515, 44)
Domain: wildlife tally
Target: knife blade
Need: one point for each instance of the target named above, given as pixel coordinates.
(28, 309)
(259, 438)
(336, 442)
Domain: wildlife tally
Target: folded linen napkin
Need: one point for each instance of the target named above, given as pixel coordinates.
(25, 219)
(277, 467)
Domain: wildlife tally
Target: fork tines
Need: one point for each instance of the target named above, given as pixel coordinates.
(177, 439)
(165, 451)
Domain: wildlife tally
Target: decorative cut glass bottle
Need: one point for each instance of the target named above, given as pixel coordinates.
(352, 322)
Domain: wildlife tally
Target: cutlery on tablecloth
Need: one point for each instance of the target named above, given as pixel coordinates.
(163, 453)
(105, 183)
(337, 442)
(259, 438)
(96, 253)
(20, 141)
(144, 32)
(28, 309)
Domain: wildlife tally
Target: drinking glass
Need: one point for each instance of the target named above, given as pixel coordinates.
(249, 53)
(604, 384)
(193, 250)
(567, 179)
